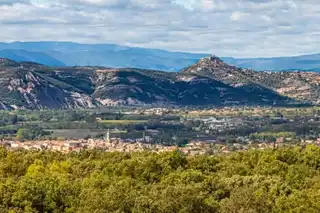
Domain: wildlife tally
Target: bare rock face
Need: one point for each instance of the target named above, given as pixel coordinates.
(30, 86)
(212, 61)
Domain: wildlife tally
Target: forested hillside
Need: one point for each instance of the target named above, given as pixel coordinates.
(283, 180)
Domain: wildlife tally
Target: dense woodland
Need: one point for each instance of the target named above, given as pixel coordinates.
(281, 180)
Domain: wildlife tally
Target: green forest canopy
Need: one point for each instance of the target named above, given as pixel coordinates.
(282, 180)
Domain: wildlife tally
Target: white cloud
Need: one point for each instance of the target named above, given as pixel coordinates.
(236, 16)
(247, 28)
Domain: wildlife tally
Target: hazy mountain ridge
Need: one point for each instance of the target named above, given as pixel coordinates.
(111, 55)
(108, 55)
(304, 62)
(23, 55)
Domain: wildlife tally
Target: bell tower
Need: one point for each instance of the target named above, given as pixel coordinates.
(107, 138)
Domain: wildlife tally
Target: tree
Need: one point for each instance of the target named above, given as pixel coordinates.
(22, 134)
(282, 180)
(14, 119)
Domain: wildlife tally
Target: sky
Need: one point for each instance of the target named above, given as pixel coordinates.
(237, 28)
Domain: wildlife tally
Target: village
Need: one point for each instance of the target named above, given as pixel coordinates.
(200, 146)
(193, 132)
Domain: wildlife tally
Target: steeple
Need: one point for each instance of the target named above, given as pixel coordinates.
(144, 133)
(108, 136)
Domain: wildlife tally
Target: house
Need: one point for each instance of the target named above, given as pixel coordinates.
(57, 148)
(15, 144)
(72, 144)
(280, 140)
(205, 139)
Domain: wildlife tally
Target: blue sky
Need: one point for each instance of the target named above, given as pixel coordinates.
(238, 28)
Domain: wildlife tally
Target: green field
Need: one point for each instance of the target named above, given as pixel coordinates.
(122, 121)
(75, 133)
(81, 133)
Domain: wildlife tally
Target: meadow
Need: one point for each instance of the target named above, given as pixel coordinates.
(124, 122)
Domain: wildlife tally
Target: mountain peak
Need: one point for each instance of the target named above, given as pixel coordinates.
(211, 65)
(212, 61)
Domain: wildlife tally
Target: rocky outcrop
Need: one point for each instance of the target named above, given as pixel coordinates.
(30, 86)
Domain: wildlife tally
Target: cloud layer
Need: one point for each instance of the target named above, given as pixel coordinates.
(246, 28)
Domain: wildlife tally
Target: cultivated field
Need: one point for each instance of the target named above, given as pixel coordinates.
(122, 121)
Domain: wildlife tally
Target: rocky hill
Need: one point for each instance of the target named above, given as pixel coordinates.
(297, 85)
(208, 82)
(30, 85)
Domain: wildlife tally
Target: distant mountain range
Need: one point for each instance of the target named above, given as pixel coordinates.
(117, 56)
(303, 63)
(209, 82)
(108, 55)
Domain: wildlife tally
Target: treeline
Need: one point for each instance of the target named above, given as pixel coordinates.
(282, 180)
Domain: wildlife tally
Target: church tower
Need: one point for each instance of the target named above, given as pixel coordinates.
(108, 136)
